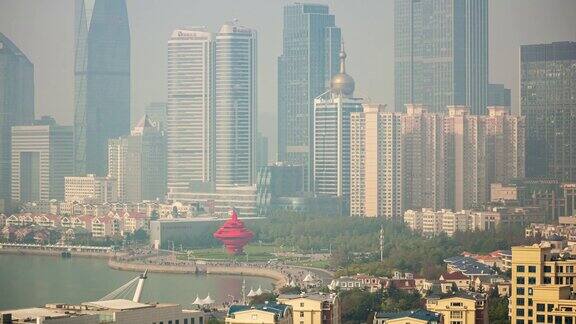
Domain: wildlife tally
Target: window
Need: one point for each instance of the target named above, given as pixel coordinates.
(540, 319)
(301, 314)
(301, 304)
(185, 321)
(520, 280)
(192, 321)
(550, 307)
(547, 280)
(532, 269)
(547, 269)
(169, 322)
(519, 321)
(520, 301)
(531, 280)
(530, 302)
(201, 320)
(520, 268)
(520, 291)
(456, 314)
(519, 312)
(177, 321)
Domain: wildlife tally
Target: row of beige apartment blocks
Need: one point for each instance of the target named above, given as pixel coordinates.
(430, 222)
(418, 159)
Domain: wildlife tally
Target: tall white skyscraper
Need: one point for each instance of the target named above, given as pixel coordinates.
(235, 105)
(332, 136)
(376, 163)
(190, 110)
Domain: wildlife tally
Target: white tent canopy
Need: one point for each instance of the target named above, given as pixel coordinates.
(208, 300)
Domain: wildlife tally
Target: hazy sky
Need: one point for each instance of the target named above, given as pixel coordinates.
(43, 29)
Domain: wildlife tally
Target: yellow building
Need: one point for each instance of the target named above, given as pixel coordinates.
(313, 308)
(419, 316)
(461, 308)
(269, 313)
(542, 282)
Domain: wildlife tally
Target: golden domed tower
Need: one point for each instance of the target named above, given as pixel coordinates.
(341, 83)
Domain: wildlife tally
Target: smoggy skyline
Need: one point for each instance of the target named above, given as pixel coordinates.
(44, 31)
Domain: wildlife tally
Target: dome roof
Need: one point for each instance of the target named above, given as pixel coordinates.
(341, 83)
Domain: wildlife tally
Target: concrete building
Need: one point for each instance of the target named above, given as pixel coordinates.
(376, 163)
(218, 200)
(269, 313)
(101, 81)
(42, 156)
(441, 54)
(138, 163)
(261, 151)
(332, 111)
(465, 140)
(16, 106)
(236, 105)
(313, 308)
(190, 111)
(117, 311)
(548, 100)
(542, 285)
(423, 159)
(464, 308)
(90, 189)
(311, 43)
(505, 145)
(499, 95)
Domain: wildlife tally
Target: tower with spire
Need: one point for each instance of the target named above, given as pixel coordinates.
(331, 158)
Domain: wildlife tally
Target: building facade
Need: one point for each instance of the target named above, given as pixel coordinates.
(423, 158)
(190, 111)
(542, 285)
(236, 105)
(102, 81)
(464, 308)
(311, 43)
(376, 166)
(441, 54)
(548, 100)
(42, 156)
(138, 163)
(90, 189)
(332, 112)
(313, 308)
(16, 103)
(499, 95)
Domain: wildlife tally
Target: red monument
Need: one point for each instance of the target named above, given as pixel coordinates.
(233, 234)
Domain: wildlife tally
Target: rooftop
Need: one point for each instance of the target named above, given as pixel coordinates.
(278, 309)
(420, 314)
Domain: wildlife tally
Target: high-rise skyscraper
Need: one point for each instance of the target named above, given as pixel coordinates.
(548, 100)
(331, 158)
(376, 163)
(102, 81)
(190, 113)
(441, 53)
(138, 163)
(42, 156)
(311, 43)
(236, 102)
(423, 159)
(505, 145)
(16, 103)
(261, 150)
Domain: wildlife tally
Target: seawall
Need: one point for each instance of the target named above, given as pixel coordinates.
(83, 254)
(278, 277)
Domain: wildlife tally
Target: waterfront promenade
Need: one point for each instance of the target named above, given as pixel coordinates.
(164, 262)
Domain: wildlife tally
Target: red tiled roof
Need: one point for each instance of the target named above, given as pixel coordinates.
(457, 275)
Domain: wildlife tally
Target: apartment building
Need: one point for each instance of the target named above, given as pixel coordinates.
(313, 308)
(461, 308)
(542, 285)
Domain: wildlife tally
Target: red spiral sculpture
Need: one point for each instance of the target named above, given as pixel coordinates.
(234, 235)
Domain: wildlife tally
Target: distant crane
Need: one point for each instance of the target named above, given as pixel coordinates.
(125, 288)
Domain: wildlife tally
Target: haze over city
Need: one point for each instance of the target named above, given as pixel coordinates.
(287, 162)
(43, 30)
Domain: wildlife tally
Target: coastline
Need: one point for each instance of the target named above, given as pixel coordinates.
(82, 254)
(279, 278)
